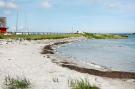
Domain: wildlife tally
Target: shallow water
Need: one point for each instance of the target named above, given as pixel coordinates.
(118, 54)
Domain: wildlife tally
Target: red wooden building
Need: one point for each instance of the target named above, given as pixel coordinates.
(3, 27)
(3, 30)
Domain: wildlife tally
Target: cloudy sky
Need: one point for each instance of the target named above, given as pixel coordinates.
(70, 15)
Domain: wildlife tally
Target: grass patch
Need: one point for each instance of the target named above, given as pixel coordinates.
(1, 37)
(39, 36)
(81, 84)
(16, 83)
(61, 36)
(104, 36)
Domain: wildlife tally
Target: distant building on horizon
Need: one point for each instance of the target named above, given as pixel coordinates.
(3, 25)
(78, 32)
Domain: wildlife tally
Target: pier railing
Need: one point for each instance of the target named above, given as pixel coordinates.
(37, 33)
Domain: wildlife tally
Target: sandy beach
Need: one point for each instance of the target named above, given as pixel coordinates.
(25, 59)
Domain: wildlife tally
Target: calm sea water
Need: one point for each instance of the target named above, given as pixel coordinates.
(116, 54)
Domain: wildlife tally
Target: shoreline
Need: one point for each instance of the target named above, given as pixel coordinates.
(103, 72)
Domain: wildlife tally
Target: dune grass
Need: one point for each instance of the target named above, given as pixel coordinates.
(104, 36)
(39, 36)
(16, 83)
(61, 36)
(81, 84)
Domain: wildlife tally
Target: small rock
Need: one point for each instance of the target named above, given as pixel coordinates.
(9, 59)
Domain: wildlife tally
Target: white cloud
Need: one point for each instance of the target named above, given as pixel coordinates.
(118, 5)
(8, 4)
(46, 4)
(2, 4)
(122, 6)
(11, 5)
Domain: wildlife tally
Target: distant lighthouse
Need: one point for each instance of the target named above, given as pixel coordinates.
(3, 25)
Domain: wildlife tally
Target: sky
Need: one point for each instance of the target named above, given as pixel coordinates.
(96, 16)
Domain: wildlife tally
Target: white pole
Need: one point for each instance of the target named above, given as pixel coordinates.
(17, 17)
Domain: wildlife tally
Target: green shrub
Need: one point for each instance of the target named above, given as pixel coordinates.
(16, 83)
(81, 84)
(41, 37)
(1, 37)
(61, 36)
(103, 36)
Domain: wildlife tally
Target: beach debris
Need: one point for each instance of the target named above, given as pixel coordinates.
(55, 80)
(47, 50)
(110, 74)
(59, 43)
(9, 59)
(48, 56)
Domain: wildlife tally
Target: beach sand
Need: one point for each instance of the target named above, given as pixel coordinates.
(25, 59)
